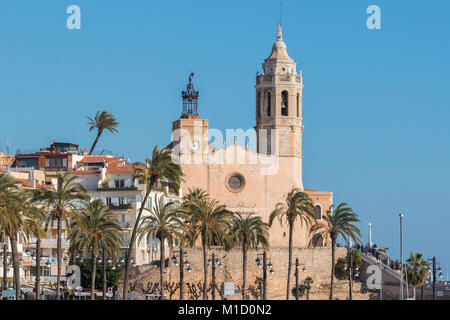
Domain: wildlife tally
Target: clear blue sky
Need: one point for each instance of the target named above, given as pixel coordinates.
(376, 103)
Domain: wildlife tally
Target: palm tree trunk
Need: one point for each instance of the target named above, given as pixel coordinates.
(132, 240)
(333, 249)
(161, 268)
(99, 133)
(307, 294)
(205, 268)
(58, 258)
(414, 292)
(93, 269)
(291, 227)
(244, 268)
(16, 267)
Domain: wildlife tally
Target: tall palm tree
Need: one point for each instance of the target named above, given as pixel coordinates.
(60, 203)
(249, 231)
(416, 270)
(212, 223)
(164, 224)
(160, 168)
(298, 207)
(95, 228)
(338, 221)
(102, 120)
(18, 219)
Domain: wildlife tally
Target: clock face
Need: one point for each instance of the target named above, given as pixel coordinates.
(194, 145)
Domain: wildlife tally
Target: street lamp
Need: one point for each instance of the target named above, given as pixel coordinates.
(401, 255)
(182, 264)
(264, 267)
(212, 262)
(433, 274)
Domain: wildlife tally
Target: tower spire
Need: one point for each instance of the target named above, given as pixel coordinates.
(190, 99)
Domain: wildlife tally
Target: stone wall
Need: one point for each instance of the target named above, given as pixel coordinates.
(316, 260)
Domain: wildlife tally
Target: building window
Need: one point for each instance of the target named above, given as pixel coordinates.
(235, 182)
(269, 102)
(108, 201)
(318, 211)
(298, 104)
(120, 183)
(318, 241)
(258, 105)
(284, 103)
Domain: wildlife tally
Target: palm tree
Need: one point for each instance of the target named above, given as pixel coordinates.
(163, 224)
(60, 203)
(102, 120)
(94, 229)
(209, 221)
(18, 218)
(339, 221)
(160, 168)
(416, 270)
(298, 207)
(249, 231)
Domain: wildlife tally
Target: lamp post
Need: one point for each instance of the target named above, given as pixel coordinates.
(38, 268)
(401, 256)
(349, 265)
(264, 266)
(212, 261)
(297, 267)
(370, 235)
(182, 264)
(434, 275)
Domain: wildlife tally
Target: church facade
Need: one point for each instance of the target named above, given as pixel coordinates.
(247, 180)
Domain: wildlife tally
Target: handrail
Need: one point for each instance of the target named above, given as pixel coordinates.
(388, 269)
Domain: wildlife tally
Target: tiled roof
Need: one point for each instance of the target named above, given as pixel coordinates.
(84, 171)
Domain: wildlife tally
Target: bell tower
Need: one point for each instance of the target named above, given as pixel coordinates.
(279, 103)
(190, 132)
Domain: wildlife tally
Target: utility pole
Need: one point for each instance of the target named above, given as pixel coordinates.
(401, 256)
(181, 275)
(213, 282)
(38, 268)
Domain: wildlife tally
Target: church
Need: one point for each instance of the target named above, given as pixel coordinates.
(243, 179)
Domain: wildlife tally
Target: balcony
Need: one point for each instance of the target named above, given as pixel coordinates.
(124, 206)
(116, 189)
(50, 242)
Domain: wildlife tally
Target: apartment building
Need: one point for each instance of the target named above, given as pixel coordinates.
(29, 179)
(110, 179)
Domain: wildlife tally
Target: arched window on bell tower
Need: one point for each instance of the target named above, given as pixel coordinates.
(258, 105)
(269, 100)
(284, 103)
(298, 105)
